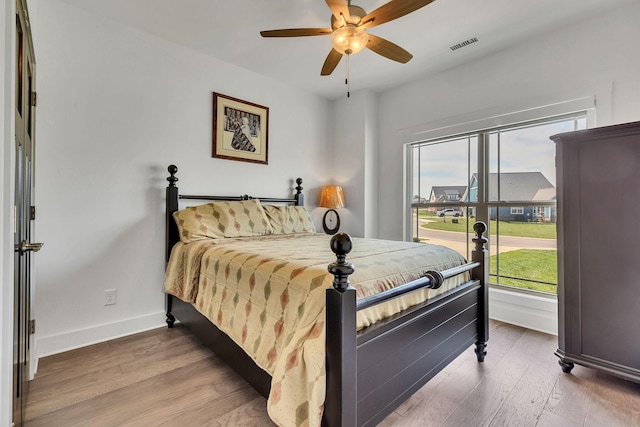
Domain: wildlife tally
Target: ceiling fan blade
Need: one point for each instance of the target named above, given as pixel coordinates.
(339, 7)
(392, 10)
(296, 32)
(388, 50)
(331, 62)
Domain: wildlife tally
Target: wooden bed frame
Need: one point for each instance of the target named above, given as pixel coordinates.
(372, 371)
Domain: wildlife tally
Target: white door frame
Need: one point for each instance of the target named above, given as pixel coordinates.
(7, 124)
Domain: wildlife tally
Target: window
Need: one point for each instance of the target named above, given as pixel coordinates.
(505, 177)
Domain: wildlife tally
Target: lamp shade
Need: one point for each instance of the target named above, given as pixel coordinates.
(332, 197)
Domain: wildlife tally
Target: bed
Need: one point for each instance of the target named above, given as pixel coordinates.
(361, 349)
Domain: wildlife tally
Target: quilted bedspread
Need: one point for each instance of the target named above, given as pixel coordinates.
(268, 294)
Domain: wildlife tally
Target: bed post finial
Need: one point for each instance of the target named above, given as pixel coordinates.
(480, 228)
(173, 170)
(299, 197)
(341, 245)
(481, 273)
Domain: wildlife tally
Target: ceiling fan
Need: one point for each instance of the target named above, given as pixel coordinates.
(348, 30)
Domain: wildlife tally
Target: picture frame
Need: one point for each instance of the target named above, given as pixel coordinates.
(240, 130)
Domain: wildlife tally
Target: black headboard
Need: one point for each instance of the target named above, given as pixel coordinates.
(171, 232)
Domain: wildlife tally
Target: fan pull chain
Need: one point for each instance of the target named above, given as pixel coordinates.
(346, 80)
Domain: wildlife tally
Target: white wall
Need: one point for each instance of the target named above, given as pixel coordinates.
(354, 161)
(371, 167)
(116, 107)
(595, 57)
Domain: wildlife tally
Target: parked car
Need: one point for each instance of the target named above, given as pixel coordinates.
(449, 212)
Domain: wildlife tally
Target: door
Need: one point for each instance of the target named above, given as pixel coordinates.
(23, 210)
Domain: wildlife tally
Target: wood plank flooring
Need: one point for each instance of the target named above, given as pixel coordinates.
(165, 377)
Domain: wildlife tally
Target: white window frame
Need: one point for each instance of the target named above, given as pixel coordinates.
(476, 122)
(534, 311)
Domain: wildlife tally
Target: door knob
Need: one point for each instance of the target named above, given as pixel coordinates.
(26, 247)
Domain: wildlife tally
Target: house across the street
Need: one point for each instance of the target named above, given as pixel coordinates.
(518, 187)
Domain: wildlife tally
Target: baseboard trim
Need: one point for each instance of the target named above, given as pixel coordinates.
(539, 313)
(59, 343)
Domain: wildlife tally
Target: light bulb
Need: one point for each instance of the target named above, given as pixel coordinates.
(349, 39)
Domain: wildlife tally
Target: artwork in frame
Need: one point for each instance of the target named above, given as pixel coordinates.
(240, 130)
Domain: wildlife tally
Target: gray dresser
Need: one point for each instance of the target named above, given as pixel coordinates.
(598, 191)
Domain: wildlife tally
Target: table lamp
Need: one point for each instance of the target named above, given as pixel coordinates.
(331, 197)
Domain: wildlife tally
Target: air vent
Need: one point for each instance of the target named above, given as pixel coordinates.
(464, 43)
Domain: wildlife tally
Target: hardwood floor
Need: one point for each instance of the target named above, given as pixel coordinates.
(165, 377)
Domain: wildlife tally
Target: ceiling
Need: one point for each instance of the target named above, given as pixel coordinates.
(229, 30)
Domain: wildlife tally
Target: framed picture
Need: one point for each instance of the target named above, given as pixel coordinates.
(240, 130)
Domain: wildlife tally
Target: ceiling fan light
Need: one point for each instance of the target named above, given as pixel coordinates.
(349, 39)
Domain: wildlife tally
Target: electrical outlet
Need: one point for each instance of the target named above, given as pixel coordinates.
(110, 296)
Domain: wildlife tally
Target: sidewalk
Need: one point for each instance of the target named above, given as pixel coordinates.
(457, 241)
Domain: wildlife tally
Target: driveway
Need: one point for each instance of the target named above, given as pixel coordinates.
(457, 241)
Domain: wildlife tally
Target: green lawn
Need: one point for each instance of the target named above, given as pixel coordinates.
(519, 229)
(535, 264)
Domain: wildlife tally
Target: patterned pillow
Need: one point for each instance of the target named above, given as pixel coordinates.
(289, 219)
(199, 222)
(244, 218)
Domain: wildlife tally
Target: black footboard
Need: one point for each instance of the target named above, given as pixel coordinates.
(370, 373)
(395, 364)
